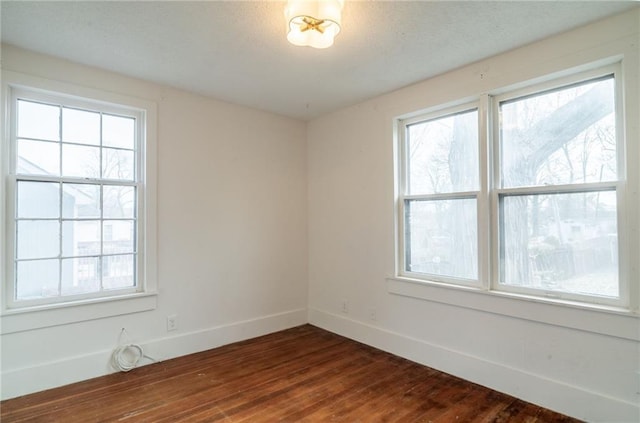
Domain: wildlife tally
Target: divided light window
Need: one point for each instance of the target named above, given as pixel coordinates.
(550, 215)
(75, 182)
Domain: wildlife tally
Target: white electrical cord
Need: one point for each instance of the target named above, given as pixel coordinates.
(126, 357)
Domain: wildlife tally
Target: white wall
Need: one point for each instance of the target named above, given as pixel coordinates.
(232, 234)
(584, 363)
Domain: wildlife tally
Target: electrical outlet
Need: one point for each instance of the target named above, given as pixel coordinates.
(345, 306)
(172, 322)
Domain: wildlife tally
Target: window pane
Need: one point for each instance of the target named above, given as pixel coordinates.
(441, 237)
(38, 239)
(118, 132)
(561, 242)
(36, 120)
(118, 201)
(79, 126)
(80, 275)
(80, 238)
(37, 279)
(38, 199)
(443, 154)
(80, 200)
(80, 161)
(118, 236)
(118, 271)
(561, 137)
(75, 197)
(118, 164)
(38, 158)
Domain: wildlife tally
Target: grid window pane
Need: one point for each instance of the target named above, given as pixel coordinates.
(39, 121)
(118, 131)
(73, 227)
(565, 136)
(118, 236)
(561, 242)
(38, 239)
(118, 271)
(80, 126)
(442, 154)
(80, 161)
(80, 238)
(118, 164)
(38, 158)
(80, 201)
(441, 237)
(37, 279)
(38, 200)
(119, 201)
(80, 275)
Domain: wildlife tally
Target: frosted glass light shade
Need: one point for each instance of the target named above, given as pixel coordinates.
(313, 23)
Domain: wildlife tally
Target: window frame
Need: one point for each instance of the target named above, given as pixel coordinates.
(498, 192)
(478, 195)
(488, 201)
(21, 315)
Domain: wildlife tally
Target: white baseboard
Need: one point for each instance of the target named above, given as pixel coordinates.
(74, 369)
(551, 394)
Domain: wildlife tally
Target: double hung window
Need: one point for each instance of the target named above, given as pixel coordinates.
(440, 201)
(521, 193)
(75, 199)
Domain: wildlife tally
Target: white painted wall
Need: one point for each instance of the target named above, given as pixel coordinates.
(584, 363)
(232, 234)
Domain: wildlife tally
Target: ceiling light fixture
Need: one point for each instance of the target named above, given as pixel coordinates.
(313, 23)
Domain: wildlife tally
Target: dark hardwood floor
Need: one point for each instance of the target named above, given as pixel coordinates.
(303, 374)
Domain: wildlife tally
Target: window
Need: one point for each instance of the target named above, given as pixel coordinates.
(441, 197)
(547, 219)
(76, 201)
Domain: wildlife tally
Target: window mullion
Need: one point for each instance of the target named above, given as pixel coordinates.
(402, 190)
(101, 258)
(483, 203)
(494, 181)
(60, 198)
(60, 235)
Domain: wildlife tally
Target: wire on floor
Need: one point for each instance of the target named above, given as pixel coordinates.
(126, 357)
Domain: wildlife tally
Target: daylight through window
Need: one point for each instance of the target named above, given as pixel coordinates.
(548, 209)
(76, 182)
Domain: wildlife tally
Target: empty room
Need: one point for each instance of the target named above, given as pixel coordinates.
(314, 211)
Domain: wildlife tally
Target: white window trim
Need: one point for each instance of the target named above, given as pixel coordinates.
(602, 71)
(478, 195)
(593, 318)
(15, 319)
(501, 301)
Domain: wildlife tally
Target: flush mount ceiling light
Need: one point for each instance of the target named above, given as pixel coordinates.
(313, 23)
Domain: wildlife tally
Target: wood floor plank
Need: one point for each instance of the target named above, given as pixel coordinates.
(303, 374)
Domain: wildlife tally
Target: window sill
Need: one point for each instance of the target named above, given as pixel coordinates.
(30, 318)
(603, 320)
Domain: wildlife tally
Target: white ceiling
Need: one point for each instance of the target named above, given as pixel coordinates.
(237, 51)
